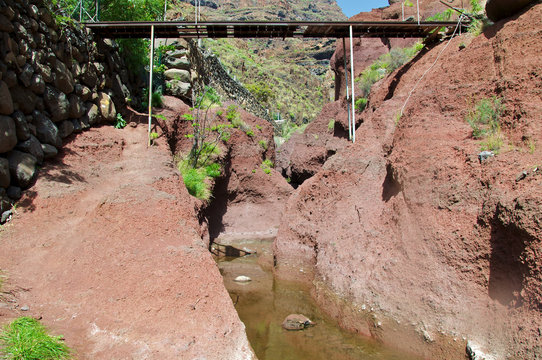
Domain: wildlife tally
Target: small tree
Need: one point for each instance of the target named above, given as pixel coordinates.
(206, 132)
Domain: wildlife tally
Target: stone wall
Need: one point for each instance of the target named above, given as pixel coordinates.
(208, 70)
(55, 80)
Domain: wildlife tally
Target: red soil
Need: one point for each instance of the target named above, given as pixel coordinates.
(407, 230)
(107, 250)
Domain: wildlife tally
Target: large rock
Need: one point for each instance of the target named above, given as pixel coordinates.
(5, 24)
(25, 99)
(107, 107)
(93, 114)
(119, 89)
(65, 128)
(6, 102)
(49, 151)
(23, 130)
(5, 179)
(500, 9)
(179, 89)
(178, 63)
(62, 77)
(8, 134)
(77, 109)
(33, 147)
(46, 131)
(22, 167)
(89, 76)
(177, 74)
(26, 75)
(37, 85)
(57, 104)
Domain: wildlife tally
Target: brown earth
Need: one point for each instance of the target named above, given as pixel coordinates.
(428, 247)
(106, 249)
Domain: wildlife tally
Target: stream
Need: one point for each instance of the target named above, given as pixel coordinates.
(264, 302)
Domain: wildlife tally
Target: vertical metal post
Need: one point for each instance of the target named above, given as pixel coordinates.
(150, 84)
(165, 9)
(347, 91)
(80, 10)
(418, 10)
(353, 91)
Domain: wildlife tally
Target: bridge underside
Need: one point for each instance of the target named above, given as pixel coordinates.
(237, 29)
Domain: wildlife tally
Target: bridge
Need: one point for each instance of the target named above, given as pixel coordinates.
(281, 30)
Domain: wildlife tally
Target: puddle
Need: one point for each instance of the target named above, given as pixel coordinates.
(264, 302)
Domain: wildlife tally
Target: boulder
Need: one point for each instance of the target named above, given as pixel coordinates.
(6, 102)
(83, 92)
(62, 77)
(107, 107)
(178, 63)
(65, 128)
(5, 204)
(77, 109)
(5, 24)
(89, 76)
(37, 84)
(177, 74)
(49, 151)
(179, 89)
(93, 114)
(177, 53)
(77, 126)
(500, 9)
(119, 88)
(57, 104)
(10, 78)
(46, 131)
(22, 167)
(4, 173)
(26, 75)
(21, 125)
(46, 73)
(14, 192)
(296, 322)
(24, 99)
(33, 147)
(8, 134)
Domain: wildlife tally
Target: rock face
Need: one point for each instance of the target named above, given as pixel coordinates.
(49, 85)
(500, 9)
(407, 222)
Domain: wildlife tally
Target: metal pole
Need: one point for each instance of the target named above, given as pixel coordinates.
(165, 9)
(352, 76)
(150, 84)
(418, 7)
(347, 91)
(80, 10)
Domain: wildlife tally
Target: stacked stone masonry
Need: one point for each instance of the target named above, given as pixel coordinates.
(55, 80)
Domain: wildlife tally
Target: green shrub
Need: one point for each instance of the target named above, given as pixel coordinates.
(261, 91)
(484, 119)
(120, 123)
(194, 180)
(213, 170)
(266, 166)
(331, 125)
(250, 133)
(360, 104)
(263, 144)
(26, 339)
(156, 99)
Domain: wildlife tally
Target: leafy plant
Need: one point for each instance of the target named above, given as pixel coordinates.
(331, 124)
(156, 98)
(266, 166)
(120, 123)
(484, 119)
(263, 144)
(26, 339)
(360, 104)
(250, 133)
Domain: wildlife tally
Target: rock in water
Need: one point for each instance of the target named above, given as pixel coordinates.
(242, 278)
(296, 322)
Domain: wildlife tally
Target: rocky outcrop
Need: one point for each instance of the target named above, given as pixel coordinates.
(177, 76)
(500, 9)
(53, 82)
(406, 236)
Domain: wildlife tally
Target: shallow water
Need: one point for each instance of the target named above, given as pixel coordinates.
(264, 302)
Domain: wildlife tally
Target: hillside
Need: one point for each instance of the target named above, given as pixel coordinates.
(432, 246)
(290, 76)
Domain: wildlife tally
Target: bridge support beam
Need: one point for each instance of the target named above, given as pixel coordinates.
(151, 66)
(353, 90)
(347, 90)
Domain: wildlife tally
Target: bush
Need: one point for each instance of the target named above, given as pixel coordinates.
(331, 125)
(360, 104)
(484, 119)
(263, 144)
(266, 166)
(120, 123)
(194, 180)
(26, 339)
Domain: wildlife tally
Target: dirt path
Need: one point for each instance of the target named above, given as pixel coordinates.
(106, 249)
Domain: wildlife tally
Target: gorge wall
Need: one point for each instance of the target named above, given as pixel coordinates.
(427, 238)
(55, 80)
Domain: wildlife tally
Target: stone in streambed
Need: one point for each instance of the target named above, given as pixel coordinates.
(296, 322)
(242, 279)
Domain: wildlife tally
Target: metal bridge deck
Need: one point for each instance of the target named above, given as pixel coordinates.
(253, 29)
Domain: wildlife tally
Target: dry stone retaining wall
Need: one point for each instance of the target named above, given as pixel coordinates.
(55, 80)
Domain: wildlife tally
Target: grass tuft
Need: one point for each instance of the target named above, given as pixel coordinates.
(26, 339)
